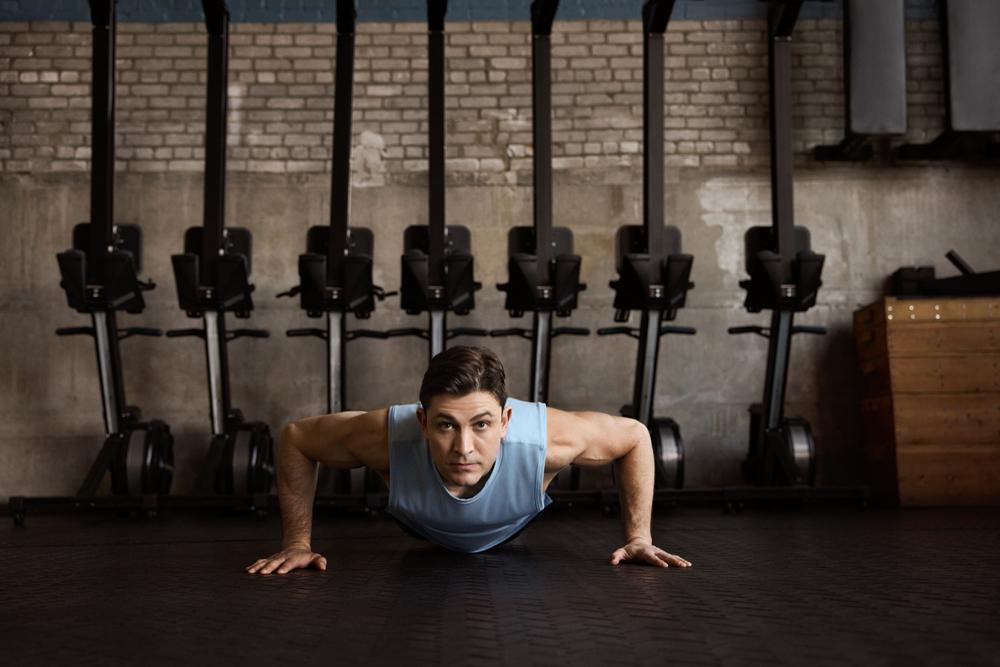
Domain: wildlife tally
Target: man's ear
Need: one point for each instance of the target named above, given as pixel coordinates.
(505, 415)
(422, 420)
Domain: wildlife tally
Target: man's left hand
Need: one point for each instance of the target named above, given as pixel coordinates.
(645, 553)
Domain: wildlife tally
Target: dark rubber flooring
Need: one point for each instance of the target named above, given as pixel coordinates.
(809, 586)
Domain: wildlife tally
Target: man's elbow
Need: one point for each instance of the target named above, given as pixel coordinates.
(290, 439)
(626, 440)
(288, 433)
(634, 456)
(638, 438)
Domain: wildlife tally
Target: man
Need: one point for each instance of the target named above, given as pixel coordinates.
(468, 467)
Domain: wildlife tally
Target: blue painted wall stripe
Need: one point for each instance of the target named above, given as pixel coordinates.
(268, 11)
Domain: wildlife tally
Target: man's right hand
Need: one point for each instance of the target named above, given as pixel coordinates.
(287, 560)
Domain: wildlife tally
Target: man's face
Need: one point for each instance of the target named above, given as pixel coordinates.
(464, 434)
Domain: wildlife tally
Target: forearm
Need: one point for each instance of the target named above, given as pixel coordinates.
(636, 480)
(296, 489)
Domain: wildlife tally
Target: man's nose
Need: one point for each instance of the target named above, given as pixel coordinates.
(464, 442)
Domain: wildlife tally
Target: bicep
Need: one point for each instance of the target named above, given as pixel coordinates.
(343, 439)
(591, 439)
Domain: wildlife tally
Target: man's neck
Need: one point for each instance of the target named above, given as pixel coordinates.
(467, 491)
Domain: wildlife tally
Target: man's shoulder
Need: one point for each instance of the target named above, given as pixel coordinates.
(401, 422)
(343, 439)
(562, 442)
(571, 434)
(527, 422)
(561, 423)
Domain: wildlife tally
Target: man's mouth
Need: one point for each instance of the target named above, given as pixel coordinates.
(464, 466)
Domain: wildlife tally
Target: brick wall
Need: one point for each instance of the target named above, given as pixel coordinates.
(279, 11)
(281, 90)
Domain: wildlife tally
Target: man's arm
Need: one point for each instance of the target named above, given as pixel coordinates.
(329, 439)
(341, 440)
(593, 439)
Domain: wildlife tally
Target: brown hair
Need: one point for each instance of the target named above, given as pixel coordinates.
(462, 370)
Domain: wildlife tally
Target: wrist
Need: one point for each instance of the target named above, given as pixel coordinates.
(297, 544)
(646, 538)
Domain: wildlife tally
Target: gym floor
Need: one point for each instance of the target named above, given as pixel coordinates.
(809, 586)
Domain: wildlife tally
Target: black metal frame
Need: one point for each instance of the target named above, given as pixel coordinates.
(784, 275)
(99, 236)
(653, 275)
(102, 164)
(544, 274)
(212, 277)
(437, 264)
(99, 273)
(336, 271)
(99, 277)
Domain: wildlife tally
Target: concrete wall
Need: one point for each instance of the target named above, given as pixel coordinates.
(868, 220)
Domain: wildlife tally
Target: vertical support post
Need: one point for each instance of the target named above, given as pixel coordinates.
(655, 16)
(436, 10)
(648, 356)
(438, 336)
(102, 162)
(782, 16)
(781, 19)
(778, 353)
(542, 15)
(212, 241)
(541, 344)
(335, 342)
(343, 103)
(109, 369)
(330, 480)
(218, 369)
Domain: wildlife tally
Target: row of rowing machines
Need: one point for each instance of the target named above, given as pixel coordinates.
(100, 277)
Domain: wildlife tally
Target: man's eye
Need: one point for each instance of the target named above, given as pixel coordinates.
(444, 426)
(484, 424)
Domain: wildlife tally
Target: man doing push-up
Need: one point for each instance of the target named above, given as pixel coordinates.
(467, 467)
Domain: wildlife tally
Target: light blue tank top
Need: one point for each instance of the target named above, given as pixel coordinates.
(510, 498)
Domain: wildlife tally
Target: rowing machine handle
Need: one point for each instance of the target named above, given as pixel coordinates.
(366, 333)
(570, 331)
(523, 333)
(804, 328)
(248, 333)
(295, 333)
(760, 331)
(613, 331)
(140, 331)
(178, 333)
(411, 331)
(683, 331)
(467, 331)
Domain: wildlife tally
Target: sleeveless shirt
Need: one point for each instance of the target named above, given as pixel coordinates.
(511, 497)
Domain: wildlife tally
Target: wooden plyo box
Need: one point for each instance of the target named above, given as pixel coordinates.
(929, 372)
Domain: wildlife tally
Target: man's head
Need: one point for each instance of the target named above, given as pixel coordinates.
(463, 415)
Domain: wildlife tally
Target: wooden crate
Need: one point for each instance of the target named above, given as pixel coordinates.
(929, 374)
